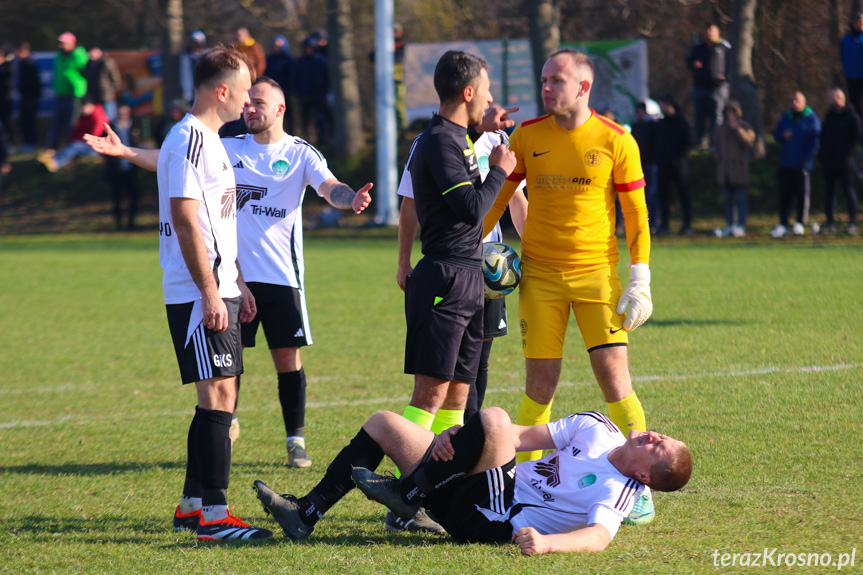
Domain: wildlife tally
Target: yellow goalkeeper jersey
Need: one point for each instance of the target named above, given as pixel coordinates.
(573, 177)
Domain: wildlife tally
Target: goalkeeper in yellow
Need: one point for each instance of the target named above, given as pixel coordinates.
(576, 163)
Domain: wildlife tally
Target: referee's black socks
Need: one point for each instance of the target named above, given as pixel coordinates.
(468, 444)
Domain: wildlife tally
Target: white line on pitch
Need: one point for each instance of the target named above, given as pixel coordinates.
(405, 398)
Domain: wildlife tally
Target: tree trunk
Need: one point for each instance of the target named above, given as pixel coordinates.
(344, 79)
(743, 86)
(172, 44)
(544, 17)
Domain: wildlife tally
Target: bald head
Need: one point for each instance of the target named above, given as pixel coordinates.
(836, 98)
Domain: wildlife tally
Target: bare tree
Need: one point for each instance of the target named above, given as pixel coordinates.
(544, 17)
(343, 79)
(171, 21)
(743, 86)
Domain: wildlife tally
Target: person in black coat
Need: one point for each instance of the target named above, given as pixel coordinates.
(840, 134)
(122, 174)
(30, 89)
(279, 64)
(644, 131)
(710, 62)
(673, 140)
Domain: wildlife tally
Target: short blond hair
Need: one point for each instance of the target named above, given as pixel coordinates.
(579, 58)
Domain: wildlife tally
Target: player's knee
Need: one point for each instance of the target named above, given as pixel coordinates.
(494, 420)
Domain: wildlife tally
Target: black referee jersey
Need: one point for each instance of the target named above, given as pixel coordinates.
(451, 198)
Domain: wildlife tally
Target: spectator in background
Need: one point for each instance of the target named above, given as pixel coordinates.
(709, 62)
(122, 174)
(673, 140)
(279, 63)
(644, 131)
(91, 121)
(839, 138)
(734, 140)
(244, 43)
(188, 58)
(311, 81)
(799, 131)
(104, 81)
(29, 87)
(5, 166)
(852, 62)
(175, 113)
(7, 58)
(399, 77)
(322, 42)
(70, 86)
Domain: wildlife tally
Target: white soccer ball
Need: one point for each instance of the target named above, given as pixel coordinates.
(501, 269)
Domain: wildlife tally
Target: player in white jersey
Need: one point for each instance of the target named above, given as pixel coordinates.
(272, 170)
(198, 252)
(574, 499)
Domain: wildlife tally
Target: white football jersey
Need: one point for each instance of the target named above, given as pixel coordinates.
(483, 146)
(193, 164)
(271, 184)
(575, 486)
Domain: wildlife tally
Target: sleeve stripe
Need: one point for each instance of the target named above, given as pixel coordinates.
(631, 186)
(456, 186)
(514, 177)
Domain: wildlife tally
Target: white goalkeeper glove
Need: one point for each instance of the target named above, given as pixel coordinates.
(636, 297)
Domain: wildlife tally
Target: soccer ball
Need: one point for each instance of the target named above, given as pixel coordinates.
(501, 269)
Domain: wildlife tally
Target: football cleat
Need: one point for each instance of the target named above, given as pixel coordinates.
(420, 523)
(186, 521)
(385, 490)
(230, 528)
(642, 512)
(297, 456)
(285, 509)
(798, 229)
(779, 231)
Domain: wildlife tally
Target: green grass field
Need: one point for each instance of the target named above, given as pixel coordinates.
(754, 357)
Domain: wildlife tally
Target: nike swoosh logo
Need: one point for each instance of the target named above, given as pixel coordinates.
(535, 155)
(613, 331)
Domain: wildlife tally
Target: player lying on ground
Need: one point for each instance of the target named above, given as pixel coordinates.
(573, 499)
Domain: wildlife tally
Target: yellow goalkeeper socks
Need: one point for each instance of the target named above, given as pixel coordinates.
(627, 414)
(531, 413)
(446, 418)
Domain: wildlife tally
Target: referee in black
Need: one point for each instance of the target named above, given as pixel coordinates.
(444, 293)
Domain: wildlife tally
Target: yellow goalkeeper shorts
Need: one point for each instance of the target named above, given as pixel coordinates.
(546, 293)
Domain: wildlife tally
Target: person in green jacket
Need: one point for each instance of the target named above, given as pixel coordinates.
(69, 87)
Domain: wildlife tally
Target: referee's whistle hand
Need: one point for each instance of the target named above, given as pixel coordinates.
(362, 199)
(502, 157)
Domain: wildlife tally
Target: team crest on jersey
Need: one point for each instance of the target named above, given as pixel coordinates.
(280, 167)
(482, 162)
(523, 324)
(228, 204)
(587, 481)
(593, 158)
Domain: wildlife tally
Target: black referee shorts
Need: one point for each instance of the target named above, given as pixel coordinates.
(444, 313)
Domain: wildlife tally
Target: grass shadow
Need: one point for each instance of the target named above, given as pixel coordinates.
(695, 322)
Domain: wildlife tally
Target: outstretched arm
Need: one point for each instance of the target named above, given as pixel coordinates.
(591, 538)
(111, 145)
(341, 195)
